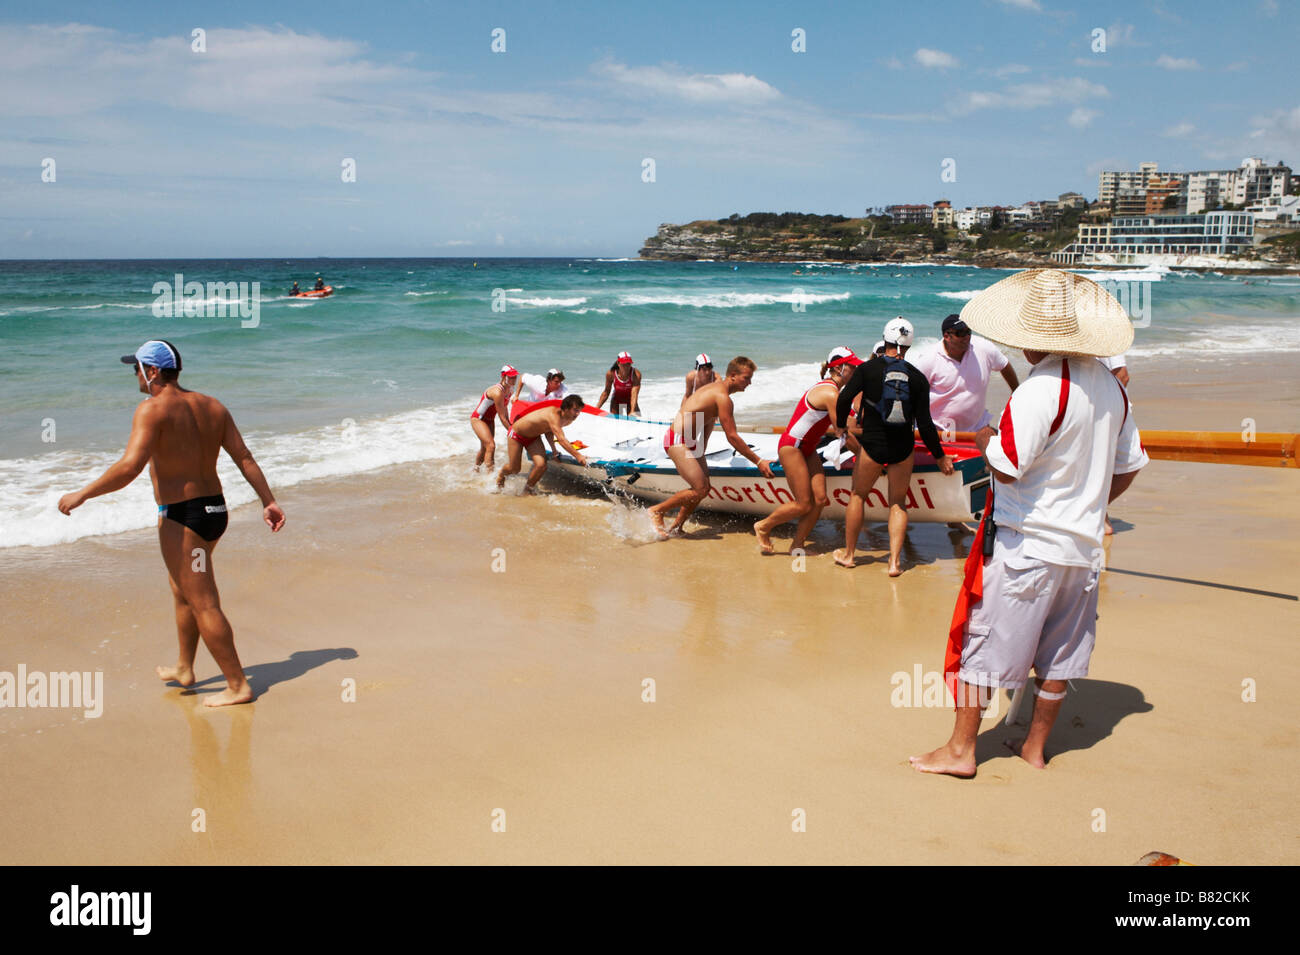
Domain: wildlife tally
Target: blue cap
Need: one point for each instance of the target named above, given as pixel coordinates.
(156, 354)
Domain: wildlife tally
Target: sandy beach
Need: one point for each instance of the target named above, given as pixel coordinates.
(523, 690)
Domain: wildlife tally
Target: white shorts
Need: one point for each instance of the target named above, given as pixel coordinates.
(1032, 614)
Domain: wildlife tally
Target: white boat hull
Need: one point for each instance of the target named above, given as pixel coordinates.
(625, 455)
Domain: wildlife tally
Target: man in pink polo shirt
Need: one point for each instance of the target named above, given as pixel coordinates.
(958, 369)
(1065, 446)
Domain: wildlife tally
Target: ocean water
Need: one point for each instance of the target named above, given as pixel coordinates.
(387, 369)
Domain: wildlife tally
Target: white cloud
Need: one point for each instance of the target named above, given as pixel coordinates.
(934, 59)
(1176, 63)
(1011, 69)
(672, 80)
(1179, 131)
(1031, 95)
(894, 63)
(1023, 5)
(1081, 117)
(1268, 8)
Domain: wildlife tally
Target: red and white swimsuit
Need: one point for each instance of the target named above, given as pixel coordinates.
(807, 424)
(485, 410)
(622, 393)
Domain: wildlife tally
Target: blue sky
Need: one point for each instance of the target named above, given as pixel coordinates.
(236, 151)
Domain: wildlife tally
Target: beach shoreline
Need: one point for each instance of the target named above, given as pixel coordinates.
(775, 689)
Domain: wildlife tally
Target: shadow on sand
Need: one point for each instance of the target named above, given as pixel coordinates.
(263, 676)
(1089, 715)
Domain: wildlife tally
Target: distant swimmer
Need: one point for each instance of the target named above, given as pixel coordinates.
(688, 439)
(526, 435)
(179, 434)
(295, 290)
(625, 381)
(483, 419)
(797, 450)
(895, 396)
(700, 375)
(320, 283)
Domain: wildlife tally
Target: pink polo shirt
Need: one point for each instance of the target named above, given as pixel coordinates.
(958, 389)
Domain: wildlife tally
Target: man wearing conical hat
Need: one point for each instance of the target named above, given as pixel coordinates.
(1066, 445)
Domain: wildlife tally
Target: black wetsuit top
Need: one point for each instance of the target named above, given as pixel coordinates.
(888, 444)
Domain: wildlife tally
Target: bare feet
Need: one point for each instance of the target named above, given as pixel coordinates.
(178, 674)
(764, 536)
(229, 697)
(844, 558)
(945, 761)
(657, 519)
(895, 570)
(1109, 528)
(1017, 746)
(529, 489)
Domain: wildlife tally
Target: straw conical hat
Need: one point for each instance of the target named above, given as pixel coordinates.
(1051, 311)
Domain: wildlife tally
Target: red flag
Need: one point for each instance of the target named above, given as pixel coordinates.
(972, 590)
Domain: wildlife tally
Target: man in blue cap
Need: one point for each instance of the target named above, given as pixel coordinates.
(179, 434)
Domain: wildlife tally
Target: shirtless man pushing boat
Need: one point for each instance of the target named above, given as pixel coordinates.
(688, 440)
(526, 435)
(179, 434)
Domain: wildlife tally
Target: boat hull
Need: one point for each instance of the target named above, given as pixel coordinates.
(642, 471)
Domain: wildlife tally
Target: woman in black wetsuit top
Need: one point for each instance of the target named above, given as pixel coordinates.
(886, 445)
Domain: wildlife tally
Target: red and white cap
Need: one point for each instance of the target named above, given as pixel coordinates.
(842, 355)
(624, 358)
(509, 371)
(703, 359)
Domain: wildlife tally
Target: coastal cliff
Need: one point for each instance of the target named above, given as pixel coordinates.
(795, 237)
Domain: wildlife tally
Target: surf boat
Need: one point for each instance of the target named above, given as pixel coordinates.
(314, 293)
(627, 455)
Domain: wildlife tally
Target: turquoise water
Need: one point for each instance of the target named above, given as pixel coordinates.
(386, 369)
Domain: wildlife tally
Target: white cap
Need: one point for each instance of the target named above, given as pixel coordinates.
(898, 331)
(624, 358)
(509, 371)
(878, 347)
(553, 372)
(702, 359)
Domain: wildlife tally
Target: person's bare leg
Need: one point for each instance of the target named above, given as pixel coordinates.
(865, 474)
(514, 461)
(187, 636)
(538, 455)
(817, 483)
(900, 475)
(486, 443)
(957, 756)
(1030, 749)
(692, 471)
(796, 476)
(196, 577)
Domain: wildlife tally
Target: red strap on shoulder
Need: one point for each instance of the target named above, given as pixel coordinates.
(1065, 396)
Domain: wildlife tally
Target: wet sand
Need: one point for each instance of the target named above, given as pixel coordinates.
(522, 690)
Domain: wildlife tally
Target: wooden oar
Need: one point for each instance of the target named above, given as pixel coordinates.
(1267, 449)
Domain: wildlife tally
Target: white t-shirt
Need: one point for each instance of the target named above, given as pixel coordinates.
(958, 389)
(534, 389)
(1063, 445)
